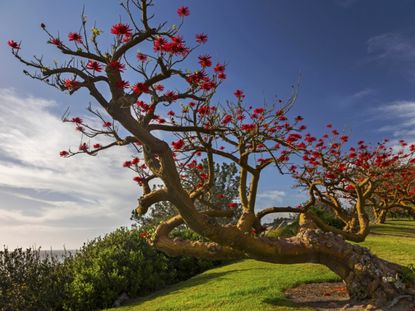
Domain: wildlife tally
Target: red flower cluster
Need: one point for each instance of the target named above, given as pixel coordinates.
(121, 30)
(232, 205)
(141, 57)
(183, 11)
(140, 88)
(74, 36)
(116, 65)
(71, 84)
(56, 41)
(205, 61)
(13, 44)
(201, 38)
(94, 65)
(239, 94)
(178, 144)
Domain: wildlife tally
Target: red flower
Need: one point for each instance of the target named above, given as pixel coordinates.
(226, 119)
(158, 44)
(83, 147)
(97, 146)
(71, 84)
(298, 118)
(13, 44)
(116, 65)
(140, 88)
(248, 127)
(135, 161)
(74, 36)
(239, 94)
(344, 138)
(232, 205)
(159, 87)
(77, 120)
(144, 235)
(55, 41)
(178, 144)
(219, 68)
(259, 110)
(127, 164)
(205, 61)
(183, 11)
(201, 38)
(121, 84)
(141, 57)
(106, 124)
(138, 179)
(64, 153)
(121, 30)
(221, 76)
(349, 187)
(94, 65)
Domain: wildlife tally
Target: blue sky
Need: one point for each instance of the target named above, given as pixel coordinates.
(356, 60)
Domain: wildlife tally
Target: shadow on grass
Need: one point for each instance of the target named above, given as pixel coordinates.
(280, 302)
(171, 289)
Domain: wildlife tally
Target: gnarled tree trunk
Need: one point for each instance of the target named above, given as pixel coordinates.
(367, 277)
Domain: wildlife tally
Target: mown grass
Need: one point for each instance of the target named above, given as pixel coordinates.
(253, 285)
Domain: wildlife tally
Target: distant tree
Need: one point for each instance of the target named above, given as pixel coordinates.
(221, 196)
(172, 118)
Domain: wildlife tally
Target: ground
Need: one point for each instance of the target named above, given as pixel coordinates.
(253, 285)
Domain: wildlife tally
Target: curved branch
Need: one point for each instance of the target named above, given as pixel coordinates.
(149, 199)
(199, 249)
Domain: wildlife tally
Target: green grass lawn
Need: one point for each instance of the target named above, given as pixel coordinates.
(254, 285)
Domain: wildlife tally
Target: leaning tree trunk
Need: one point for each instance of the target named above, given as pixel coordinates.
(381, 217)
(367, 277)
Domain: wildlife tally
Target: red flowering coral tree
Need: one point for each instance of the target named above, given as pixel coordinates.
(168, 114)
(349, 180)
(397, 190)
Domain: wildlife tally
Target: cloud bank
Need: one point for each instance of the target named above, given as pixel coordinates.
(49, 201)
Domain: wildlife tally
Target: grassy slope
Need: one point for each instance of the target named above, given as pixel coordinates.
(253, 285)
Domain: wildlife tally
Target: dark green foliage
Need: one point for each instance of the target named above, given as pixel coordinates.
(28, 282)
(284, 231)
(224, 191)
(102, 270)
(327, 215)
(120, 262)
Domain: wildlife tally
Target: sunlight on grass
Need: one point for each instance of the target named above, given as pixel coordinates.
(253, 285)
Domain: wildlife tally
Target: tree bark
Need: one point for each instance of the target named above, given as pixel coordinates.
(367, 277)
(381, 217)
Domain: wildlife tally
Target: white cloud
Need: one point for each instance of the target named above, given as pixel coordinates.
(272, 195)
(91, 194)
(393, 46)
(400, 116)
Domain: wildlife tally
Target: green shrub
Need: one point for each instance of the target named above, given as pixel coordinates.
(101, 271)
(120, 262)
(28, 282)
(327, 215)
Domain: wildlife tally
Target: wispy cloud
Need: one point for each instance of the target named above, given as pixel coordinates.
(395, 49)
(400, 117)
(57, 201)
(394, 46)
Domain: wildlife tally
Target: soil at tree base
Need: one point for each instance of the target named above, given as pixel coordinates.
(333, 297)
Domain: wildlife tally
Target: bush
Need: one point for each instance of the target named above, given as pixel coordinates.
(121, 262)
(328, 216)
(28, 282)
(102, 270)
